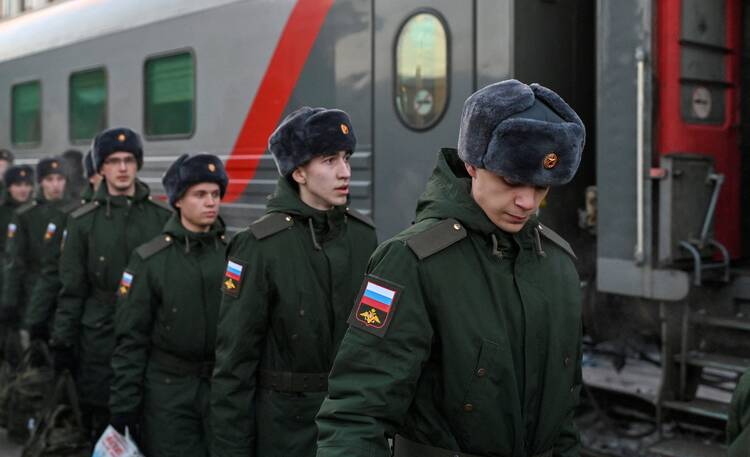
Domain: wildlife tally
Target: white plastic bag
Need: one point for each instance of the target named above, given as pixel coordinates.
(112, 444)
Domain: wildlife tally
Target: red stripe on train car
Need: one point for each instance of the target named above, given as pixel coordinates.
(287, 62)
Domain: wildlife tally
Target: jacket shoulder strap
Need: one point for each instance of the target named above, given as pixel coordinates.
(152, 247)
(85, 209)
(360, 217)
(270, 224)
(436, 238)
(556, 239)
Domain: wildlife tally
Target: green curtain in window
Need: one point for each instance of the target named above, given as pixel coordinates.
(26, 113)
(170, 92)
(88, 104)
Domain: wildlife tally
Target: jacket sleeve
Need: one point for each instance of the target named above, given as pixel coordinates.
(243, 323)
(74, 286)
(15, 264)
(373, 379)
(44, 292)
(568, 442)
(738, 425)
(133, 326)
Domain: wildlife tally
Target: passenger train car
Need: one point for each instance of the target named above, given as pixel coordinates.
(656, 212)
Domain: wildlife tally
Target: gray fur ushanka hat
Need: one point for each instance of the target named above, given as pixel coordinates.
(525, 133)
(309, 132)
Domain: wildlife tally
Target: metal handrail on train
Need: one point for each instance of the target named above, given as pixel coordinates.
(640, 58)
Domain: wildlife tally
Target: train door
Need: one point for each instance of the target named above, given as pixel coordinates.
(422, 73)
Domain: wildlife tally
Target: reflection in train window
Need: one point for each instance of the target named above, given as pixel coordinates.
(87, 104)
(170, 96)
(26, 118)
(421, 71)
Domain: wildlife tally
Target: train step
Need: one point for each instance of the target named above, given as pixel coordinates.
(735, 323)
(685, 448)
(717, 361)
(700, 407)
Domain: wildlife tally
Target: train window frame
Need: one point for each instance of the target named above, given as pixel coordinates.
(161, 55)
(448, 66)
(28, 144)
(70, 102)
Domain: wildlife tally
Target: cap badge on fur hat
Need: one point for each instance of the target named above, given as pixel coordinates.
(121, 137)
(211, 167)
(54, 164)
(344, 129)
(22, 173)
(550, 161)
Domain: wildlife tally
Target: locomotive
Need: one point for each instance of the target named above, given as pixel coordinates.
(656, 212)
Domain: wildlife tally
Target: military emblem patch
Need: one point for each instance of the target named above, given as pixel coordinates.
(344, 129)
(375, 305)
(12, 230)
(233, 278)
(51, 229)
(125, 283)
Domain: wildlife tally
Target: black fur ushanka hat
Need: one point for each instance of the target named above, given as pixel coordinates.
(525, 133)
(187, 171)
(309, 132)
(120, 139)
(49, 166)
(18, 174)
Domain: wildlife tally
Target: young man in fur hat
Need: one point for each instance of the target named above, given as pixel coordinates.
(6, 161)
(165, 325)
(38, 318)
(19, 186)
(465, 336)
(100, 238)
(29, 231)
(289, 284)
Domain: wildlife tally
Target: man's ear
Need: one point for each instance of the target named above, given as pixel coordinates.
(471, 169)
(299, 176)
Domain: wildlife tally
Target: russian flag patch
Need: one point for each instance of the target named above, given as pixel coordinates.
(51, 229)
(125, 283)
(375, 305)
(233, 277)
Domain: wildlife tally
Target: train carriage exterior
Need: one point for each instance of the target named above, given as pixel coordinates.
(657, 212)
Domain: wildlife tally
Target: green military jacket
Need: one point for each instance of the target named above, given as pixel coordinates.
(290, 283)
(7, 208)
(30, 231)
(738, 425)
(43, 299)
(101, 235)
(464, 337)
(169, 303)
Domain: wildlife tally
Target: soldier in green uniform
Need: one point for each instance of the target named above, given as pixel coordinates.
(289, 284)
(738, 425)
(43, 302)
(6, 161)
(100, 238)
(92, 176)
(465, 336)
(34, 225)
(19, 182)
(165, 326)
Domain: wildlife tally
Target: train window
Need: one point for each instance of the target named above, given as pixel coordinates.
(26, 116)
(87, 104)
(421, 65)
(170, 96)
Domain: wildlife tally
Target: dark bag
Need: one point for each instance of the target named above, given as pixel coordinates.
(60, 431)
(11, 353)
(30, 391)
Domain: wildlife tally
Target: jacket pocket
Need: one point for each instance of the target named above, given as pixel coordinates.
(488, 404)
